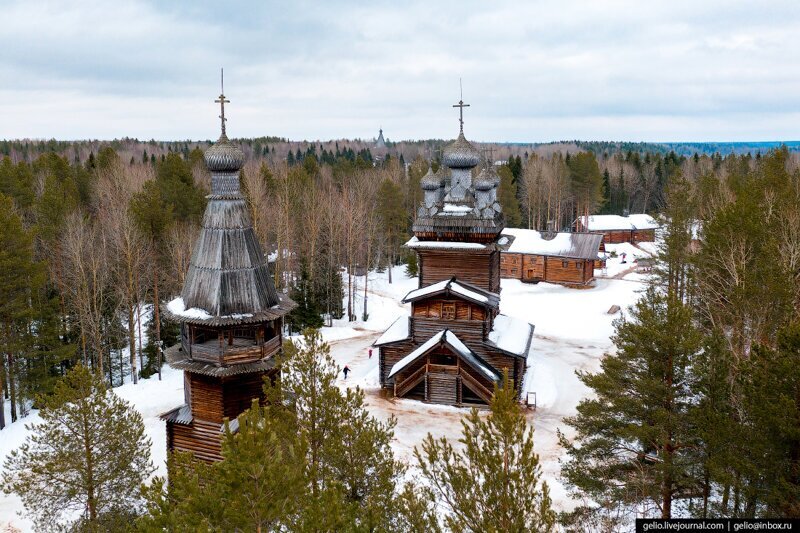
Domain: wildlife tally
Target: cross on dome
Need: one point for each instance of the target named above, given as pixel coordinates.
(222, 100)
(461, 105)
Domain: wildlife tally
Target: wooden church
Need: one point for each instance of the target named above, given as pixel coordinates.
(229, 312)
(455, 345)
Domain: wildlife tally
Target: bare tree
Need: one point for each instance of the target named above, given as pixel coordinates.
(84, 248)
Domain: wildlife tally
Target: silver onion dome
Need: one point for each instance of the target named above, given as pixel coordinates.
(431, 181)
(484, 181)
(224, 156)
(461, 154)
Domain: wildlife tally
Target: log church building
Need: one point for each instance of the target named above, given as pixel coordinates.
(456, 345)
(229, 312)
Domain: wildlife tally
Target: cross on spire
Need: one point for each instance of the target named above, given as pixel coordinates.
(222, 100)
(461, 105)
(490, 151)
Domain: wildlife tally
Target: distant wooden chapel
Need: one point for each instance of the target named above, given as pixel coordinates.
(456, 345)
(230, 315)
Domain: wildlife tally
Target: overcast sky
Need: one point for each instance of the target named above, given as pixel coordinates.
(532, 71)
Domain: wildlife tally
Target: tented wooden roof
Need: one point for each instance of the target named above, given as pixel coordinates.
(228, 277)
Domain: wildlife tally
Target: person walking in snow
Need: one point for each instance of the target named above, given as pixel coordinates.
(370, 353)
(624, 256)
(345, 371)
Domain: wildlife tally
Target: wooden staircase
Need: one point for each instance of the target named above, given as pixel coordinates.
(475, 386)
(401, 388)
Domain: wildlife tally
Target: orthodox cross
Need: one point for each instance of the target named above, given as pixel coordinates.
(221, 100)
(461, 105)
(490, 151)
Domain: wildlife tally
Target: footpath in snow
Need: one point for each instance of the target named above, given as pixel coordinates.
(572, 333)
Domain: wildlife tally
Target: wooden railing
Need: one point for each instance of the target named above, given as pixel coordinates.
(271, 346)
(212, 352)
(476, 386)
(443, 369)
(402, 387)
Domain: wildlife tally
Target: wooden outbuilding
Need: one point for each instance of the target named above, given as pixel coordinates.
(230, 314)
(456, 346)
(620, 228)
(564, 258)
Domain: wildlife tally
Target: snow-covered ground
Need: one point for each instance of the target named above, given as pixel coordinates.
(572, 332)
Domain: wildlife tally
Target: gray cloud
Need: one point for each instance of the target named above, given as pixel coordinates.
(533, 71)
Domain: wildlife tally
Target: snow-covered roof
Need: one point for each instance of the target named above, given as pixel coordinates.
(178, 308)
(617, 222)
(452, 245)
(454, 343)
(455, 209)
(511, 335)
(453, 286)
(572, 245)
(398, 331)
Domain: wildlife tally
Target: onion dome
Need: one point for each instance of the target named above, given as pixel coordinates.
(461, 154)
(224, 156)
(431, 181)
(484, 181)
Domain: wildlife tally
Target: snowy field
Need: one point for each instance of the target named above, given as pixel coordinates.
(572, 332)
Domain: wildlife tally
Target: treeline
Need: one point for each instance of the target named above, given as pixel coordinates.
(697, 413)
(86, 250)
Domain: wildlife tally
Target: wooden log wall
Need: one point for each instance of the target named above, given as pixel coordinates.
(389, 355)
(510, 265)
(644, 235)
(206, 395)
(201, 438)
(239, 392)
(551, 269)
(442, 388)
(441, 307)
(479, 267)
(561, 270)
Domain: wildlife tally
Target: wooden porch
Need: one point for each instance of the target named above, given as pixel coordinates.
(444, 384)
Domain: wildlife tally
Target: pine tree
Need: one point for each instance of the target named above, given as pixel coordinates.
(350, 468)
(259, 485)
(412, 266)
(17, 271)
(83, 464)
(770, 457)
(633, 441)
(492, 485)
(507, 196)
(394, 222)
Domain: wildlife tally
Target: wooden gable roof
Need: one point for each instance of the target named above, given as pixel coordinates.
(458, 289)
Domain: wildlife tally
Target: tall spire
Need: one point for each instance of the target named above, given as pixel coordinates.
(221, 100)
(461, 105)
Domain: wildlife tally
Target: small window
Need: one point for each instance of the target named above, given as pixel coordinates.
(578, 264)
(449, 311)
(565, 264)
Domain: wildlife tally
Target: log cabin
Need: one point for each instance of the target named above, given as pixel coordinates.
(229, 312)
(620, 228)
(564, 258)
(455, 347)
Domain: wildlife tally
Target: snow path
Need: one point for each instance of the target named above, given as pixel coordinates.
(572, 332)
